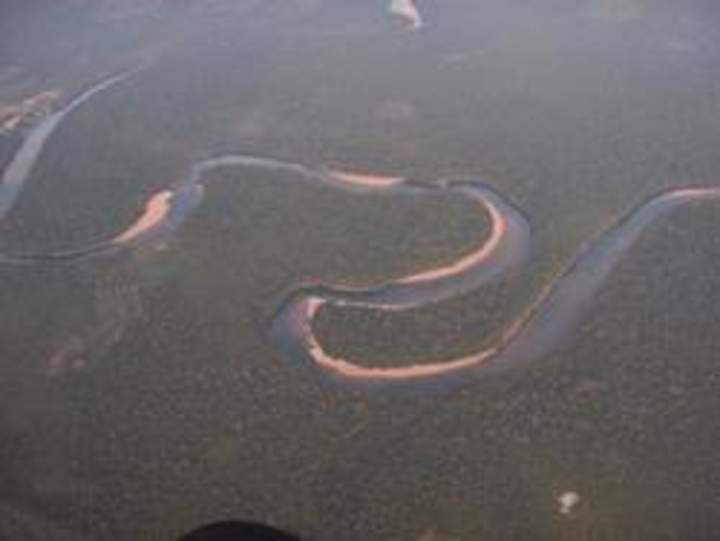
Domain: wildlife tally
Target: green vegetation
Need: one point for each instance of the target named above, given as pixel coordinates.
(190, 415)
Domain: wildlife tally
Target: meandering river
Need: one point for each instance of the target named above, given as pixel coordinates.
(545, 325)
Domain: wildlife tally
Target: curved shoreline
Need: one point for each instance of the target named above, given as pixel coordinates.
(541, 329)
(22, 163)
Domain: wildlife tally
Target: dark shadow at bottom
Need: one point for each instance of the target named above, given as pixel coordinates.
(238, 531)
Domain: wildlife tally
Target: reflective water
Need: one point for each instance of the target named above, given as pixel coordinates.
(141, 393)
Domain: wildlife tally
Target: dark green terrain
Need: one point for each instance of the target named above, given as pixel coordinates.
(139, 394)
